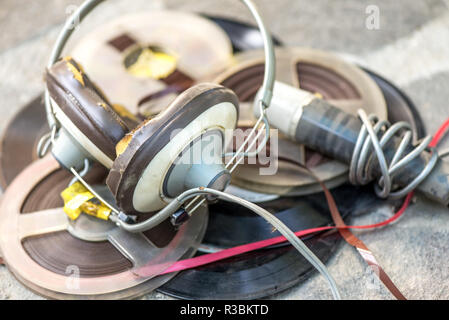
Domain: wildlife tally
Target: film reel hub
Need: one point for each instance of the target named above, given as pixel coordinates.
(90, 228)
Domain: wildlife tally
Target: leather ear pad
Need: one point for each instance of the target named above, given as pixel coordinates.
(85, 106)
(139, 147)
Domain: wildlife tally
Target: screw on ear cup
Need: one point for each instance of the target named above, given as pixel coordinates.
(146, 154)
(85, 112)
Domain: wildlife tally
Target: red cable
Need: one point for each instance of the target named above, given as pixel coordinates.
(439, 134)
(231, 252)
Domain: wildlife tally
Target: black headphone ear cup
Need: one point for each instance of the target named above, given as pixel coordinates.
(83, 110)
(145, 156)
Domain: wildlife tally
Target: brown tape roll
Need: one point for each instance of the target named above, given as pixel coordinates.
(197, 47)
(47, 252)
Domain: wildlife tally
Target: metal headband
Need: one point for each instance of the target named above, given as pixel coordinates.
(89, 5)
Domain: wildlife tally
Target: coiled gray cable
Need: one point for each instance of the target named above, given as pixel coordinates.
(360, 167)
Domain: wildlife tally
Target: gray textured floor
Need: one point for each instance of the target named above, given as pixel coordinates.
(411, 48)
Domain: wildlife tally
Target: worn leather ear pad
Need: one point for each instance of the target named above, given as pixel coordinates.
(143, 145)
(86, 107)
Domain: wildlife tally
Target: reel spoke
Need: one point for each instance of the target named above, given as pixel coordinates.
(42, 222)
(135, 247)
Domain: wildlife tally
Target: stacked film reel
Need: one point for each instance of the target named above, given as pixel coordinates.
(88, 258)
(44, 250)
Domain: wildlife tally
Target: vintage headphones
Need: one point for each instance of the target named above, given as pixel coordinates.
(140, 156)
(147, 174)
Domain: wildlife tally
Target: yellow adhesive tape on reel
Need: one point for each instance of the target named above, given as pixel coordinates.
(77, 199)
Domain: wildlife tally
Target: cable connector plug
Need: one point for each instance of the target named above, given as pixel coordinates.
(180, 217)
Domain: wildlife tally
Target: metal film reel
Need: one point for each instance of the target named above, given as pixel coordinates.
(180, 48)
(42, 248)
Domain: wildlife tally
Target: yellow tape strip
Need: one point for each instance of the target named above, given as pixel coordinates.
(77, 199)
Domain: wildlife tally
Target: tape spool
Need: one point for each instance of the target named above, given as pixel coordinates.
(142, 61)
(89, 258)
(341, 83)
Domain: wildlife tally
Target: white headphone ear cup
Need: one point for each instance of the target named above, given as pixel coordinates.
(137, 175)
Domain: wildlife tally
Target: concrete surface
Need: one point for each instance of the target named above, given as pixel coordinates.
(411, 48)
